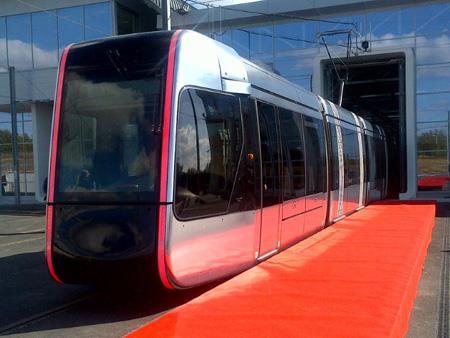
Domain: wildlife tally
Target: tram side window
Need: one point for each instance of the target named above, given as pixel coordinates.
(334, 157)
(208, 148)
(315, 155)
(351, 157)
(371, 168)
(293, 154)
(270, 157)
(380, 158)
(247, 190)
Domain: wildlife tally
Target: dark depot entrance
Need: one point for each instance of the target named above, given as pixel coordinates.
(375, 89)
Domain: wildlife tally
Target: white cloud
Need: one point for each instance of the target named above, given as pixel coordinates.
(20, 55)
(187, 151)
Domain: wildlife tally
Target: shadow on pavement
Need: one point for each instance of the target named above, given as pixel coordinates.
(26, 289)
(443, 210)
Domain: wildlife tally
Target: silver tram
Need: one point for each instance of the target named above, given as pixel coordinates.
(174, 158)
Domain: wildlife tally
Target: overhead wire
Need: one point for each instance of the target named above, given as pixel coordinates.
(283, 37)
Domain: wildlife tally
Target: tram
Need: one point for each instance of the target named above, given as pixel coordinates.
(174, 158)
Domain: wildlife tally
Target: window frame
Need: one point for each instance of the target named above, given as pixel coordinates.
(279, 146)
(303, 150)
(348, 182)
(239, 162)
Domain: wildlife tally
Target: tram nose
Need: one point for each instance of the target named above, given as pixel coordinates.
(90, 242)
(103, 237)
(103, 232)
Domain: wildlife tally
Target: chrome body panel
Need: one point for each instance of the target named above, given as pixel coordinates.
(202, 250)
(351, 201)
(231, 65)
(316, 208)
(206, 249)
(345, 115)
(235, 86)
(293, 207)
(292, 229)
(361, 160)
(272, 83)
(334, 205)
(337, 124)
(283, 103)
(270, 221)
(362, 124)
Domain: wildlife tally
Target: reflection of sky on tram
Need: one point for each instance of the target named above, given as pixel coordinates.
(187, 149)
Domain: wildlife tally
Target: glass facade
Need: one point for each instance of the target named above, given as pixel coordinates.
(3, 54)
(18, 32)
(6, 160)
(25, 155)
(36, 40)
(289, 48)
(45, 39)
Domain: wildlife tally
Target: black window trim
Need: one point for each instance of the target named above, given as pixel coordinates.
(280, 149)
(325, 183)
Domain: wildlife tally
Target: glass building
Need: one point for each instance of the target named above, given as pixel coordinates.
(401, 78)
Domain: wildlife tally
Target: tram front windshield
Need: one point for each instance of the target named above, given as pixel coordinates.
(110, 129)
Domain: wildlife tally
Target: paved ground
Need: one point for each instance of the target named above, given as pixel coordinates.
(32, 305)
(430, 316)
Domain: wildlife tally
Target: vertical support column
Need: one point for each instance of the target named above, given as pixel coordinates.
(115, 28)
(402, 128)
(166, 17)
(42, 130)
(410, 125)
(12, 95)
(448, 143)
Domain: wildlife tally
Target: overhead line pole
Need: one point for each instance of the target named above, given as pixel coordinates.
(448, 142)
(165, 15)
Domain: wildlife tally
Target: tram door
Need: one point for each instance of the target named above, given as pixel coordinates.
(271, 178)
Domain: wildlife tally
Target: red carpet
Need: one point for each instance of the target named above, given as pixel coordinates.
(357, 278)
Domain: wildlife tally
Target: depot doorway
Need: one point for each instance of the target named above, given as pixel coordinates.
(375, 89)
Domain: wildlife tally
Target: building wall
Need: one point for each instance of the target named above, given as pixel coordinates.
(13, 7)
